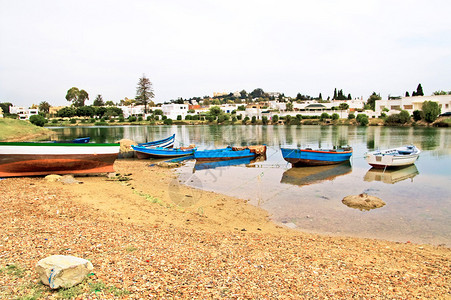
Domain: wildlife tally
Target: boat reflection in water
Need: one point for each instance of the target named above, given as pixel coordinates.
(391, 176)
(223, 163)
(311, 175)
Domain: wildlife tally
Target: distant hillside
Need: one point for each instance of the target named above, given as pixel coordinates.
(12, 130)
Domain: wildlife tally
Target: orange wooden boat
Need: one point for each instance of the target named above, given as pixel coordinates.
(34, 159)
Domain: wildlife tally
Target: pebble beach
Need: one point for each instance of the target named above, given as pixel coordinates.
(149, 237)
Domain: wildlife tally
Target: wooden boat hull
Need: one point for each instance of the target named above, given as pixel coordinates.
(307, 157)
(34, 159)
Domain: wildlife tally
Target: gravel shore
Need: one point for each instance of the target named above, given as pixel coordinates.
(149, 237)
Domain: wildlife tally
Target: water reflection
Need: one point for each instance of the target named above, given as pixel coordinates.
(222, 163)
(311, 175)
(391, 176)
(431, 139)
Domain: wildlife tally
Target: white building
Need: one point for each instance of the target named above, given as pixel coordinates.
(410, 104)
(131, 110)
(172, 111)
(228, 108)
(23, 112)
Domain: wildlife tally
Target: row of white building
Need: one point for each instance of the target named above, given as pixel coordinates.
(271, 108)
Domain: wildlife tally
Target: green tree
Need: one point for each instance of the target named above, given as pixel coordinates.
(289, 106)
(275, 119)
(215, 111)
(335, 116)
(257, 93)
(66, 112)
(430, 110)
(5, 107)
(77, 97)
(44, 106)
(98, 101)
(85, 111)
(351, 116)
(419, 91)
(110, 103)
(343, 106)
(37, 120)
(371, 102)
(144, 92)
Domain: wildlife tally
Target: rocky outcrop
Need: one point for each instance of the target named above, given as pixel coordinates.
(363, 202)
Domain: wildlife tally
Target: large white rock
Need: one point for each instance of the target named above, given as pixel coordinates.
(63, 270)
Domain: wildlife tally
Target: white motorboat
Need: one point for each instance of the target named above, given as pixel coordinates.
(395, 157)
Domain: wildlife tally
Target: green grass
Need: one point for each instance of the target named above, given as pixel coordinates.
(13, 270)
(16, 129)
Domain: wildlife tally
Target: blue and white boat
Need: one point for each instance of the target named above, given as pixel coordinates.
(318, 157)
(164, 143)
(160, 152)
(395, 157)
(230, 153)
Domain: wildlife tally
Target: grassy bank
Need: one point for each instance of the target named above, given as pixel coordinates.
(18, 130)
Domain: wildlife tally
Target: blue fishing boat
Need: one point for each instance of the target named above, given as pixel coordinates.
(164, 143)
(318, 157)
(160, 152)
(230, 153)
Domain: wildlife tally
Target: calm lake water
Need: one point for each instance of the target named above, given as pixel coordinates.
(418, 201)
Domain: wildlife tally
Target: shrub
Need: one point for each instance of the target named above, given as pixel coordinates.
(404, 117)
(37, 120)
(324, 115)
(275, 119)
(351, 116)
(265, 120)
(73, 121)
(254, 120)
(140, 118)
(121, 119)
(417, 115)
(167, 121)
(179, 117)
(362, 119)
(335, 116)
(431, 110)
(187, 117)
(54, 121)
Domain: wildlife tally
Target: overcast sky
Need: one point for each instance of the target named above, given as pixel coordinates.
(194, 48)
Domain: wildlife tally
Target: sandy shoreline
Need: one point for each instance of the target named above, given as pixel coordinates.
(151, 236)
